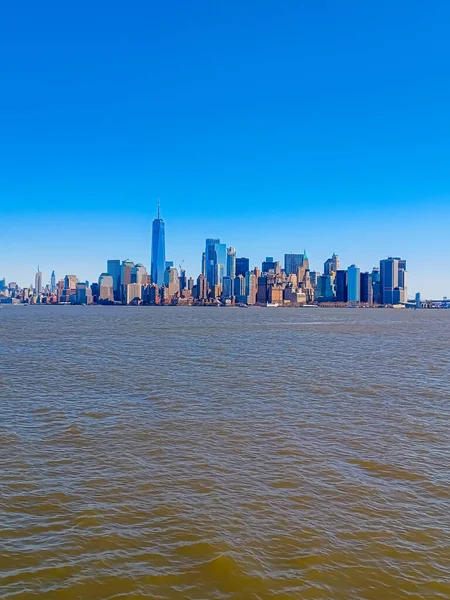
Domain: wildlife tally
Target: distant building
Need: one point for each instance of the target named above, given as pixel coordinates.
(261, 296)
(139, 274)
(270, 265)
(242, 266)
(113, 267)
(231, 262)
(354, 284)
(133, 293)
(366, 288)
(331, 265)
(53, 282)
(171, 281)
(202, 287)
(325, 290)
(158, 257)
(227, 290)
(393, 280)
(215, 261)
(83, 294)
(38, 282)
(292, 262)
(239, 286)
(106, 288)
(341, 286)
(126, 270)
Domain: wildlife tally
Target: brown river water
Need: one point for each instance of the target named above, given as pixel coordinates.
(204, 453)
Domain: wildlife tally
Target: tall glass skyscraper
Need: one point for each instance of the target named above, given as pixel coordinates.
(158, 250)
(215, 261)
(354, 283)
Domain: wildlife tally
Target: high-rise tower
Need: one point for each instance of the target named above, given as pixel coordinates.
(158, 250)
(38, 282)
(53, 282)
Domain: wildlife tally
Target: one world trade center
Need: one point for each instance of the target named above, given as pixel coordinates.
(158, 250)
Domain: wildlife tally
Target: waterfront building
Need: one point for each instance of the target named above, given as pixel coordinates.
(106, 288)
(126, 269)
(227, 291)
(293, 295)
(239, 286)
(292, 262)
(242, 266)
(275, 294)
(393, 280)
(271, 265)
(2, 284)
(190, 284)
(215, 261)
(202, 287)
(231, 262)
(366, 288)
(251, 287)
(83, 294)
(341, 286)
(133, 293)
(150, 294)
(158, 257)
(171, 281)
(354, 284)
(113, 267)
(261, 295)
(38, 282)
(325, 289)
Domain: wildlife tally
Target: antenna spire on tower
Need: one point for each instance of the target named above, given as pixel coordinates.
(159, 208)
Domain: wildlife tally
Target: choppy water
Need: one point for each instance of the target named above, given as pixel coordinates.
(224, 453)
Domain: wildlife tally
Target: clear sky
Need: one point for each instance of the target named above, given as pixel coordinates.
(276, 126)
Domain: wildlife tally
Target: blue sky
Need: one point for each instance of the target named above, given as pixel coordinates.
(274, 126)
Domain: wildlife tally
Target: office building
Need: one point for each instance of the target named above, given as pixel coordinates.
(126, 269)
(133, 293)
(271, 265)
(83, 294)
(227, 290)
(53, 282)
(172, 282)
(202, 287)
(239, 287)
(242, 266)
(106, 288)
(215, 262)
(113, 267)
(292, 262)
(354, 284)
(366, 288)
(341, 286)
(231, 262)
(139, 274)
(158, 258)
(325, 288)
(38, 282)
(393, 280)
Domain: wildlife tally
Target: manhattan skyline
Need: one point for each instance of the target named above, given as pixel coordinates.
(273, 130)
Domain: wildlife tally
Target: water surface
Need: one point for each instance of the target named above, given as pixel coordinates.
(203, 453)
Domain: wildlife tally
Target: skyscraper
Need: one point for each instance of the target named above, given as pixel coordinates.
(354, 283)
(126, 269)
(341, 286)
(53, 282)
(38, 282)
(366, 288)
(215, 261)
(292, 262)
(393, 280)
(106, 287)
(113, 268)
(231, 262)
(158, 250)
(242, 266)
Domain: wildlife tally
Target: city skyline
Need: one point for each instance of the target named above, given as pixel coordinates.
(270, 128)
